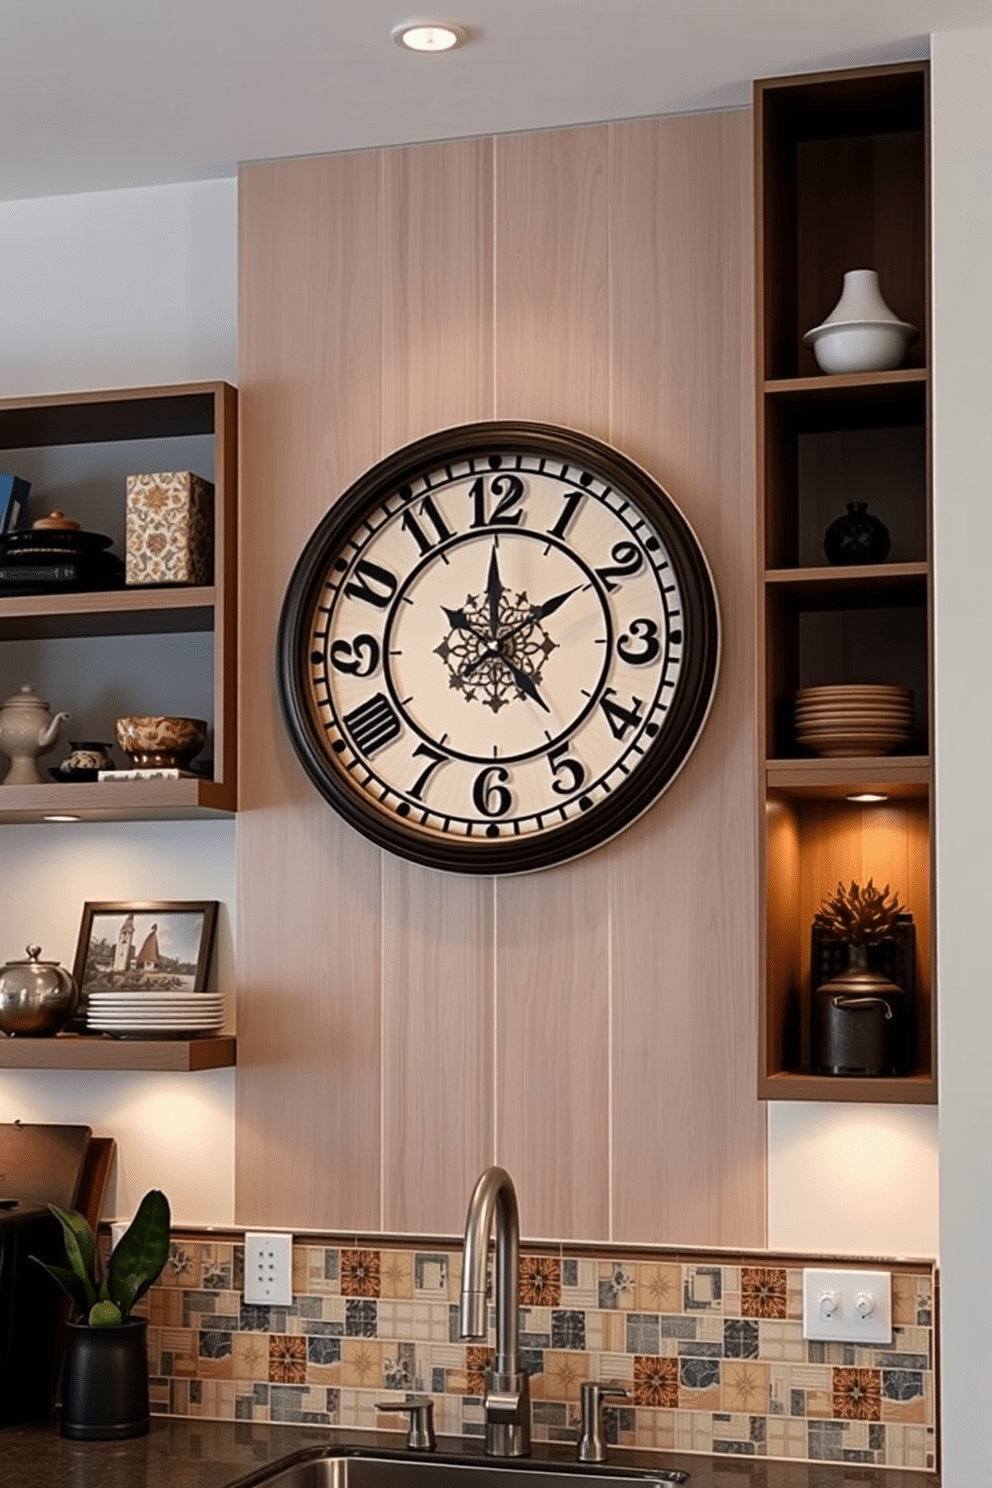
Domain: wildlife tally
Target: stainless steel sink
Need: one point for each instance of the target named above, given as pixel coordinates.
(328, 1468)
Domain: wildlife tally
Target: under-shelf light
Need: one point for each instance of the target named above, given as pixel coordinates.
(867, 797)
(59, 817)
(429, 36)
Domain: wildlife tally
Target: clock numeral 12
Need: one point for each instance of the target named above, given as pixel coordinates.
(508, 491)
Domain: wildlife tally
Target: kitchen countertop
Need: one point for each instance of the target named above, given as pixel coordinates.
(185, 1453)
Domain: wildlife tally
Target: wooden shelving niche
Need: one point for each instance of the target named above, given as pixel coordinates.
(143, 650)
(842, 183)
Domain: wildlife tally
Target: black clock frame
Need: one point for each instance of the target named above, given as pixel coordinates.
(664, 757)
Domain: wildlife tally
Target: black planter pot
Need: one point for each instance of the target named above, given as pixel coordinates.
(105, 1382)
(859, 1021)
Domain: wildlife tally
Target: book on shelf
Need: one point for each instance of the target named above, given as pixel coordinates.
(14, 490)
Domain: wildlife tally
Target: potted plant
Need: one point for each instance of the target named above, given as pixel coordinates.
(858, 1014)
(105, 1380)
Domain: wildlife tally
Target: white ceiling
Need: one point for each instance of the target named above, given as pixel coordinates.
(98, 94)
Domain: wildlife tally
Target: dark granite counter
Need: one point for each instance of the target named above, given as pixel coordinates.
(185, 1453)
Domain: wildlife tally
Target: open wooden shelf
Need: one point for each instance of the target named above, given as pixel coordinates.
(867, 586)
(834, 779)
(114, 800)
(106, 612)
(909, 1090)
(70, 1051)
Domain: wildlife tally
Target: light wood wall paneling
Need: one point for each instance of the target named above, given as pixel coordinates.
(552, 355)
(437, 1075)
(437, 340)
(308, 1149)
(552, 1056)
(552, 273)
(688, 1160)
(437, 370)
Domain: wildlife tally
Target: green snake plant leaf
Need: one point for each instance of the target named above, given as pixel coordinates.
(70, 1284)
(141, 1253)
(80, 1244)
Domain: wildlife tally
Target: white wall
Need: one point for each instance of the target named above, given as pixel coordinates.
(962, 177)
(120, 289)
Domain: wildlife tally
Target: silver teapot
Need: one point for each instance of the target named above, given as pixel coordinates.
(36, 997)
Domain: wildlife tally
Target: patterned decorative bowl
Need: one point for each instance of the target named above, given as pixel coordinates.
(155, 742)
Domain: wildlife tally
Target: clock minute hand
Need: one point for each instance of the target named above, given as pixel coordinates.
(525, 683)
(539, 612)
(494, 591)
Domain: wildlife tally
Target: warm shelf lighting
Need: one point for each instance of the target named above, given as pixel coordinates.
(867, 797)
(429, 36)
(60, 818)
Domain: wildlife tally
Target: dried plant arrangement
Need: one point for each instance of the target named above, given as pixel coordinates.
(859, 916)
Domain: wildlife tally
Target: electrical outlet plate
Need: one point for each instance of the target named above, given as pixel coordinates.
(848, 1306)
(268, 1268)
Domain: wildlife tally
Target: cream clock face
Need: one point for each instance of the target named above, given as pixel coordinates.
(498, 648)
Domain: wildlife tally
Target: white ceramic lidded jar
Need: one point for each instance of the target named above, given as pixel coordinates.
(861, 333)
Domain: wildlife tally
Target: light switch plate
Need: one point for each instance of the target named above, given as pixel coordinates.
(847, 1306)
(268, 1268)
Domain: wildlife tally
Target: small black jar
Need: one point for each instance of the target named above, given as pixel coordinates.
(858, 537)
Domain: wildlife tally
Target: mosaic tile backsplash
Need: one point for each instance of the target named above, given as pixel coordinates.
(711, 1354)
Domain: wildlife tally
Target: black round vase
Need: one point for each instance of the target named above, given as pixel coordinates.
(105, 1382)
(858, 1021)
(859, 537)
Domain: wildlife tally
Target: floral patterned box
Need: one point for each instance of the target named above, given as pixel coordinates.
(170, 520)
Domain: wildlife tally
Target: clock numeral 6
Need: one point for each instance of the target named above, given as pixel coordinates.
(490, 792)
(569, 774)
(359, 658)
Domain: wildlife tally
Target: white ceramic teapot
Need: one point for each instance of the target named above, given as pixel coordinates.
(27, 729)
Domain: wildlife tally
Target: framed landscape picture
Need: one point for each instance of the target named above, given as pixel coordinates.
(145, 946)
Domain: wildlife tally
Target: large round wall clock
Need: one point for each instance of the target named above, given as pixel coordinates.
(498, 648)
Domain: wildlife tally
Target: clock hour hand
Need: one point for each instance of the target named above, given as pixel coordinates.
(458, 620)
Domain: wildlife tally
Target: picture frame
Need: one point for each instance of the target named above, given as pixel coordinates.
(144, 945)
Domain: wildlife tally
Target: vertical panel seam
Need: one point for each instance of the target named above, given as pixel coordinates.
(495, 1023)
(495, 203)
(380, 235)
(610, 902)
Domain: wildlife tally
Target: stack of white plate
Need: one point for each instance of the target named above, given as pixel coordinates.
(155, 1014)
(854, 719)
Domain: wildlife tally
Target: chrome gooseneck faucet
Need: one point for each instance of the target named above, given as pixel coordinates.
(507, 1402)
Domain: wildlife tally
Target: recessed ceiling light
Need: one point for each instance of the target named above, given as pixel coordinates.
(429, 36)
(867, 796)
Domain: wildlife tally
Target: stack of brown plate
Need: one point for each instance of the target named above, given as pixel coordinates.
(854, 719)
